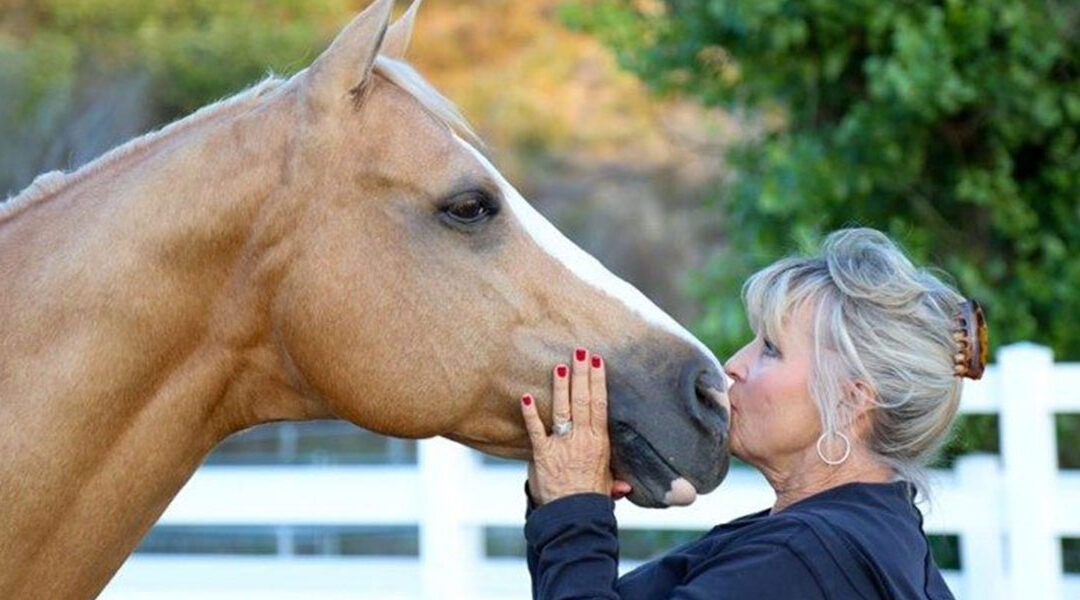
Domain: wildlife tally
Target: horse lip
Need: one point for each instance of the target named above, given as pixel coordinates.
(627, 435)
(655, 452)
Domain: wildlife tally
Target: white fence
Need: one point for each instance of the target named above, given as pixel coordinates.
(1009, 512)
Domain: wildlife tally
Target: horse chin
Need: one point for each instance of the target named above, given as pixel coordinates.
(652, 493)
(655, 483)
(660, 489)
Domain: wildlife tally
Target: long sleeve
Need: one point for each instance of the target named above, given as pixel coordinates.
(573, 548)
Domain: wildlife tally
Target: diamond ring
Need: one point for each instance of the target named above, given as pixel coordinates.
(562, 428)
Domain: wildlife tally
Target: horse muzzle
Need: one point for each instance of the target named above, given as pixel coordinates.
(669, 431)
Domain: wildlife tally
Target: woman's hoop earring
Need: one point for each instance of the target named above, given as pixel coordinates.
(847, 449)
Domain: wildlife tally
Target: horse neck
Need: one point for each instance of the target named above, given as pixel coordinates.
(134, 331)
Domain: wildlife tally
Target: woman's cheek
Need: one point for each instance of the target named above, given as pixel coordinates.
(738, 434)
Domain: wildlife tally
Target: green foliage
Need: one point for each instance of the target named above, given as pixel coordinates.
(44, 69)
(62, 60)
(970, 433)
(196, 52)
(1068, 439)
(37, 78)
(946, 551)
(645, 544)
(953, 126)
(1070, 552)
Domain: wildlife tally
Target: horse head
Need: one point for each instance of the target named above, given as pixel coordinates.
(423, 295)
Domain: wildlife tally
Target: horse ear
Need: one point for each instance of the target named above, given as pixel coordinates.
(347, 63)
(397, 37)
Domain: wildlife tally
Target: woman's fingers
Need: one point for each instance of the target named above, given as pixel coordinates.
(578, 462)
(598, 394)
(560, 395)
(579, 388)
(533, 424)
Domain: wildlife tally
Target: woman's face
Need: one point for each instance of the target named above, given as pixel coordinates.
(774, 421)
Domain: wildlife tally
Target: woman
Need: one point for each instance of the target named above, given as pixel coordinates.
(848, 387)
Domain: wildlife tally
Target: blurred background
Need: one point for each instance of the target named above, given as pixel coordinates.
(684, 143)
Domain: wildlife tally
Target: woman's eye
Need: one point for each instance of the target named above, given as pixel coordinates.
(768, 348)
(470, 208)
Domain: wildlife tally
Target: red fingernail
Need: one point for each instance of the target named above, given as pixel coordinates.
(580, 353)
(596, 362)
(526, 399)
(561, 370)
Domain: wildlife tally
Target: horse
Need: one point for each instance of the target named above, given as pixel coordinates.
(328, 245)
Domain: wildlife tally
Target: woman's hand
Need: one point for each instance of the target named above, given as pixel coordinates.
(578, 460)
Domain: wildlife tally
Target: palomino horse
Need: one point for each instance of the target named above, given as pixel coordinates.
(326, 246)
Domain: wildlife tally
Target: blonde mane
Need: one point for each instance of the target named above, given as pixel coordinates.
(399, 73)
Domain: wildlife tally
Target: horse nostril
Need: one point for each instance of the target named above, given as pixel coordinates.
(711, 391)
(712, 378)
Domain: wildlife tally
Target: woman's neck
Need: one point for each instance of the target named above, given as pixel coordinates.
(809, 475)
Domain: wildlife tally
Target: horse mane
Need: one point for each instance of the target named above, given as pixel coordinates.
(398, 73)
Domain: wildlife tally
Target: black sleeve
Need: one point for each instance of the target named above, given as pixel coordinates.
(572, 547)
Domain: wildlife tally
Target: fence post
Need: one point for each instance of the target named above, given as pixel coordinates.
(981, 537)
(449, 546)
(1029, 456)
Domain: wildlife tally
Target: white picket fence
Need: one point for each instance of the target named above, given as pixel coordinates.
(1009, 513)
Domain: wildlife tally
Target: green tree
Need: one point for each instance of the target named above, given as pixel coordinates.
(952, 125)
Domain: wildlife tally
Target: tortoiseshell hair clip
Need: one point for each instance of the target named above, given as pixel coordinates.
(972, 341)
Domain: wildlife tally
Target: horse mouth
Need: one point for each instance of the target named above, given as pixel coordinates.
(655, 482)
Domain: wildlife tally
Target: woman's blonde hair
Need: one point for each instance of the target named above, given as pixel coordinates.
(878, 319)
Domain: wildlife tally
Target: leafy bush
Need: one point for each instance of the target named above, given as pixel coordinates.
(954, 126)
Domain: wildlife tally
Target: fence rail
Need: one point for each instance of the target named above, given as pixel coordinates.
(1009, 512)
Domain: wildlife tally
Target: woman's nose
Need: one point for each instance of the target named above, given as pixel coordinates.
(733, 370)
(735, 367)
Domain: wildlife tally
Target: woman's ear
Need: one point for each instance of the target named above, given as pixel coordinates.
(863, 399)
(863, 395)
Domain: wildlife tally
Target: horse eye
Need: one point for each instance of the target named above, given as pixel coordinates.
(470, 208)
(468, 211)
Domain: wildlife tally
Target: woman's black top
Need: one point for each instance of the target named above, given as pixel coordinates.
(855, 541)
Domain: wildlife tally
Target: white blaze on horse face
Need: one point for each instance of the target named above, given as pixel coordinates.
(583, 264)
